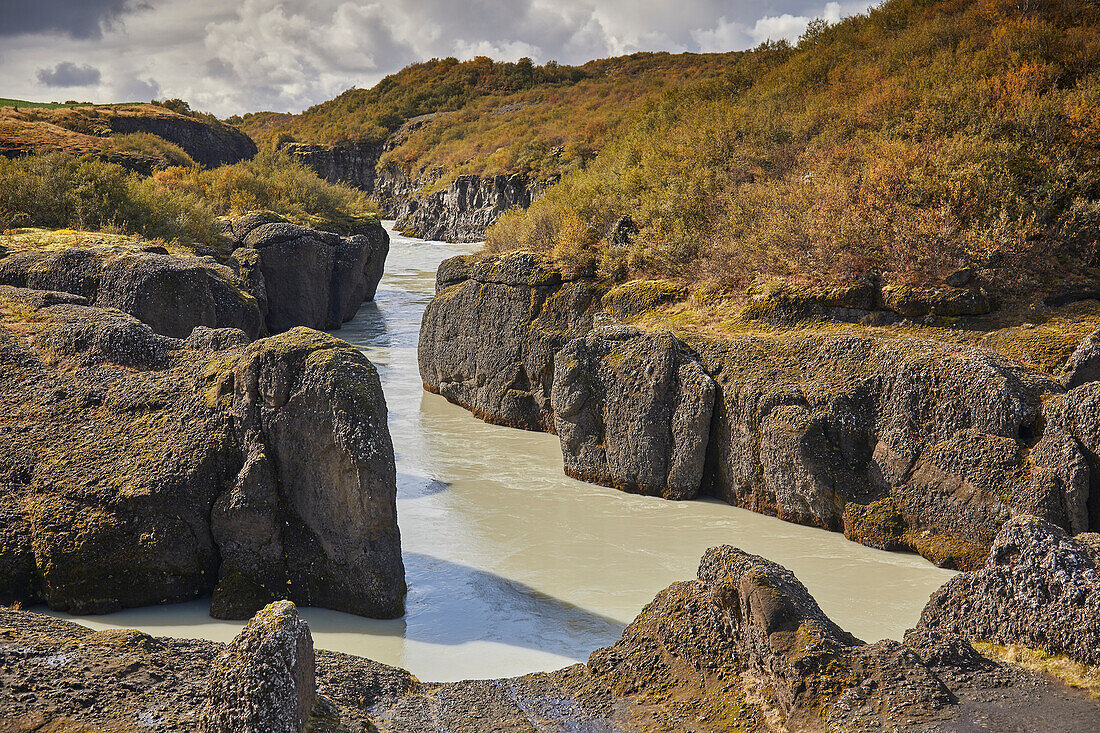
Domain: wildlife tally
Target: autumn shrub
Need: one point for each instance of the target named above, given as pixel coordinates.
(901, 144)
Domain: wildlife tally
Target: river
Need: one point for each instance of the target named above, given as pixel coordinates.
(513, 567)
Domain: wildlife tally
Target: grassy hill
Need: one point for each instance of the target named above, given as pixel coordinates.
(138, 136)
(900, 145)
(491, 117)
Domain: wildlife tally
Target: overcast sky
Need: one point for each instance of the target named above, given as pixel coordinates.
(231, 57)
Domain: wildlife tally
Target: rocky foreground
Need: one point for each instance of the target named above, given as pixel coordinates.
(743, 647)
(896, 437)
(148, 458)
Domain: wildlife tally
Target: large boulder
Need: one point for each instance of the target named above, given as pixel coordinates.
(310, 277)
(1039, 588)
(490, 334)
(264, 681)
(312, 513)
(139, 469)
(633, 411)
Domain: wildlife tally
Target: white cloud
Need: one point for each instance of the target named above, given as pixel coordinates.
(289, 54)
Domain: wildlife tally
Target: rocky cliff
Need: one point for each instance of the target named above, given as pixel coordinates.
(742, 647)
(278, 276)
(460, 212)
(896, 438)
(140, 469)
(209, 143)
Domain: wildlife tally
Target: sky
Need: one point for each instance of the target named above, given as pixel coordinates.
(230, 57)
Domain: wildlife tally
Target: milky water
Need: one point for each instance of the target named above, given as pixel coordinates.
(512, 567)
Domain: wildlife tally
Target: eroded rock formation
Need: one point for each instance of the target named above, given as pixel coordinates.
(899, 441)
(743, 646)
(633, 411)
(488, 338)
(140, 469)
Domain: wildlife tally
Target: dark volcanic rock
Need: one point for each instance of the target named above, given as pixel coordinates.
(309, 277)
(633, 411)
(1084, 364)
(488, 338)
(466, 208)
(208, 144)
(171, 294)
(1039, 588)
(263, 682)
(742, 647)
(312, 514)
(119, 444)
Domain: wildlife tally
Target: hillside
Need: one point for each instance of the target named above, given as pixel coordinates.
(897, 146)
(141, 137)
(489, 118)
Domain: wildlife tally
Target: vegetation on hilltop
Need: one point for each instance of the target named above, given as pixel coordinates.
(901, 144)
(60, 190)
(488, 117)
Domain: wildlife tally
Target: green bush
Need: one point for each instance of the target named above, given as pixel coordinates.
(60, 191)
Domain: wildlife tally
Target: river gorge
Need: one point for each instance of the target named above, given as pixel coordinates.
(513, 567)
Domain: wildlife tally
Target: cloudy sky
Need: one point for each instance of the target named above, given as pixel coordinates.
(228, 57)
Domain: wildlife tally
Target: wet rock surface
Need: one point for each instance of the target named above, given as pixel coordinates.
(1039, 587)
(741, 647)
(139, 469)
(488, 338)
(633, 411)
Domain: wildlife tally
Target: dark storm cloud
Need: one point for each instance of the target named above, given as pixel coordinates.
(68, 74)
(76, 18)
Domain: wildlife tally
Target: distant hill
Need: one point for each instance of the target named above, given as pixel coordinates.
(491, 117)
(138, 136)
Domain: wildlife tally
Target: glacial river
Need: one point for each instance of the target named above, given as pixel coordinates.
(512, 567)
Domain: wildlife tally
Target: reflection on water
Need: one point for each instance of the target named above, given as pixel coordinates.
(513, 567)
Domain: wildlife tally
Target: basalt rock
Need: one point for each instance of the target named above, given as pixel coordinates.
(172, 294)
(264, 681)
(131, 467)
(741, 647)
(1083, 364)
(467, 207)
(309, 277)
(488, 338)
(899, 441)
(633, 411)
(1039, 588)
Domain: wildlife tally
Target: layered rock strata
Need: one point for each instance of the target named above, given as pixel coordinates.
(140, 469)
(741, 647)
(896, 440)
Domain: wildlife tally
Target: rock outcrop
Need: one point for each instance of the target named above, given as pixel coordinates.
(1039, 588)
(466, 208)
(307, 277)
(279, 275)
(140, 469)
(264, 681)
(172, 294)
(209, 143)
(741, 647)
(633, 411)
(1083, 364)
(488, 338)
(899, 441)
